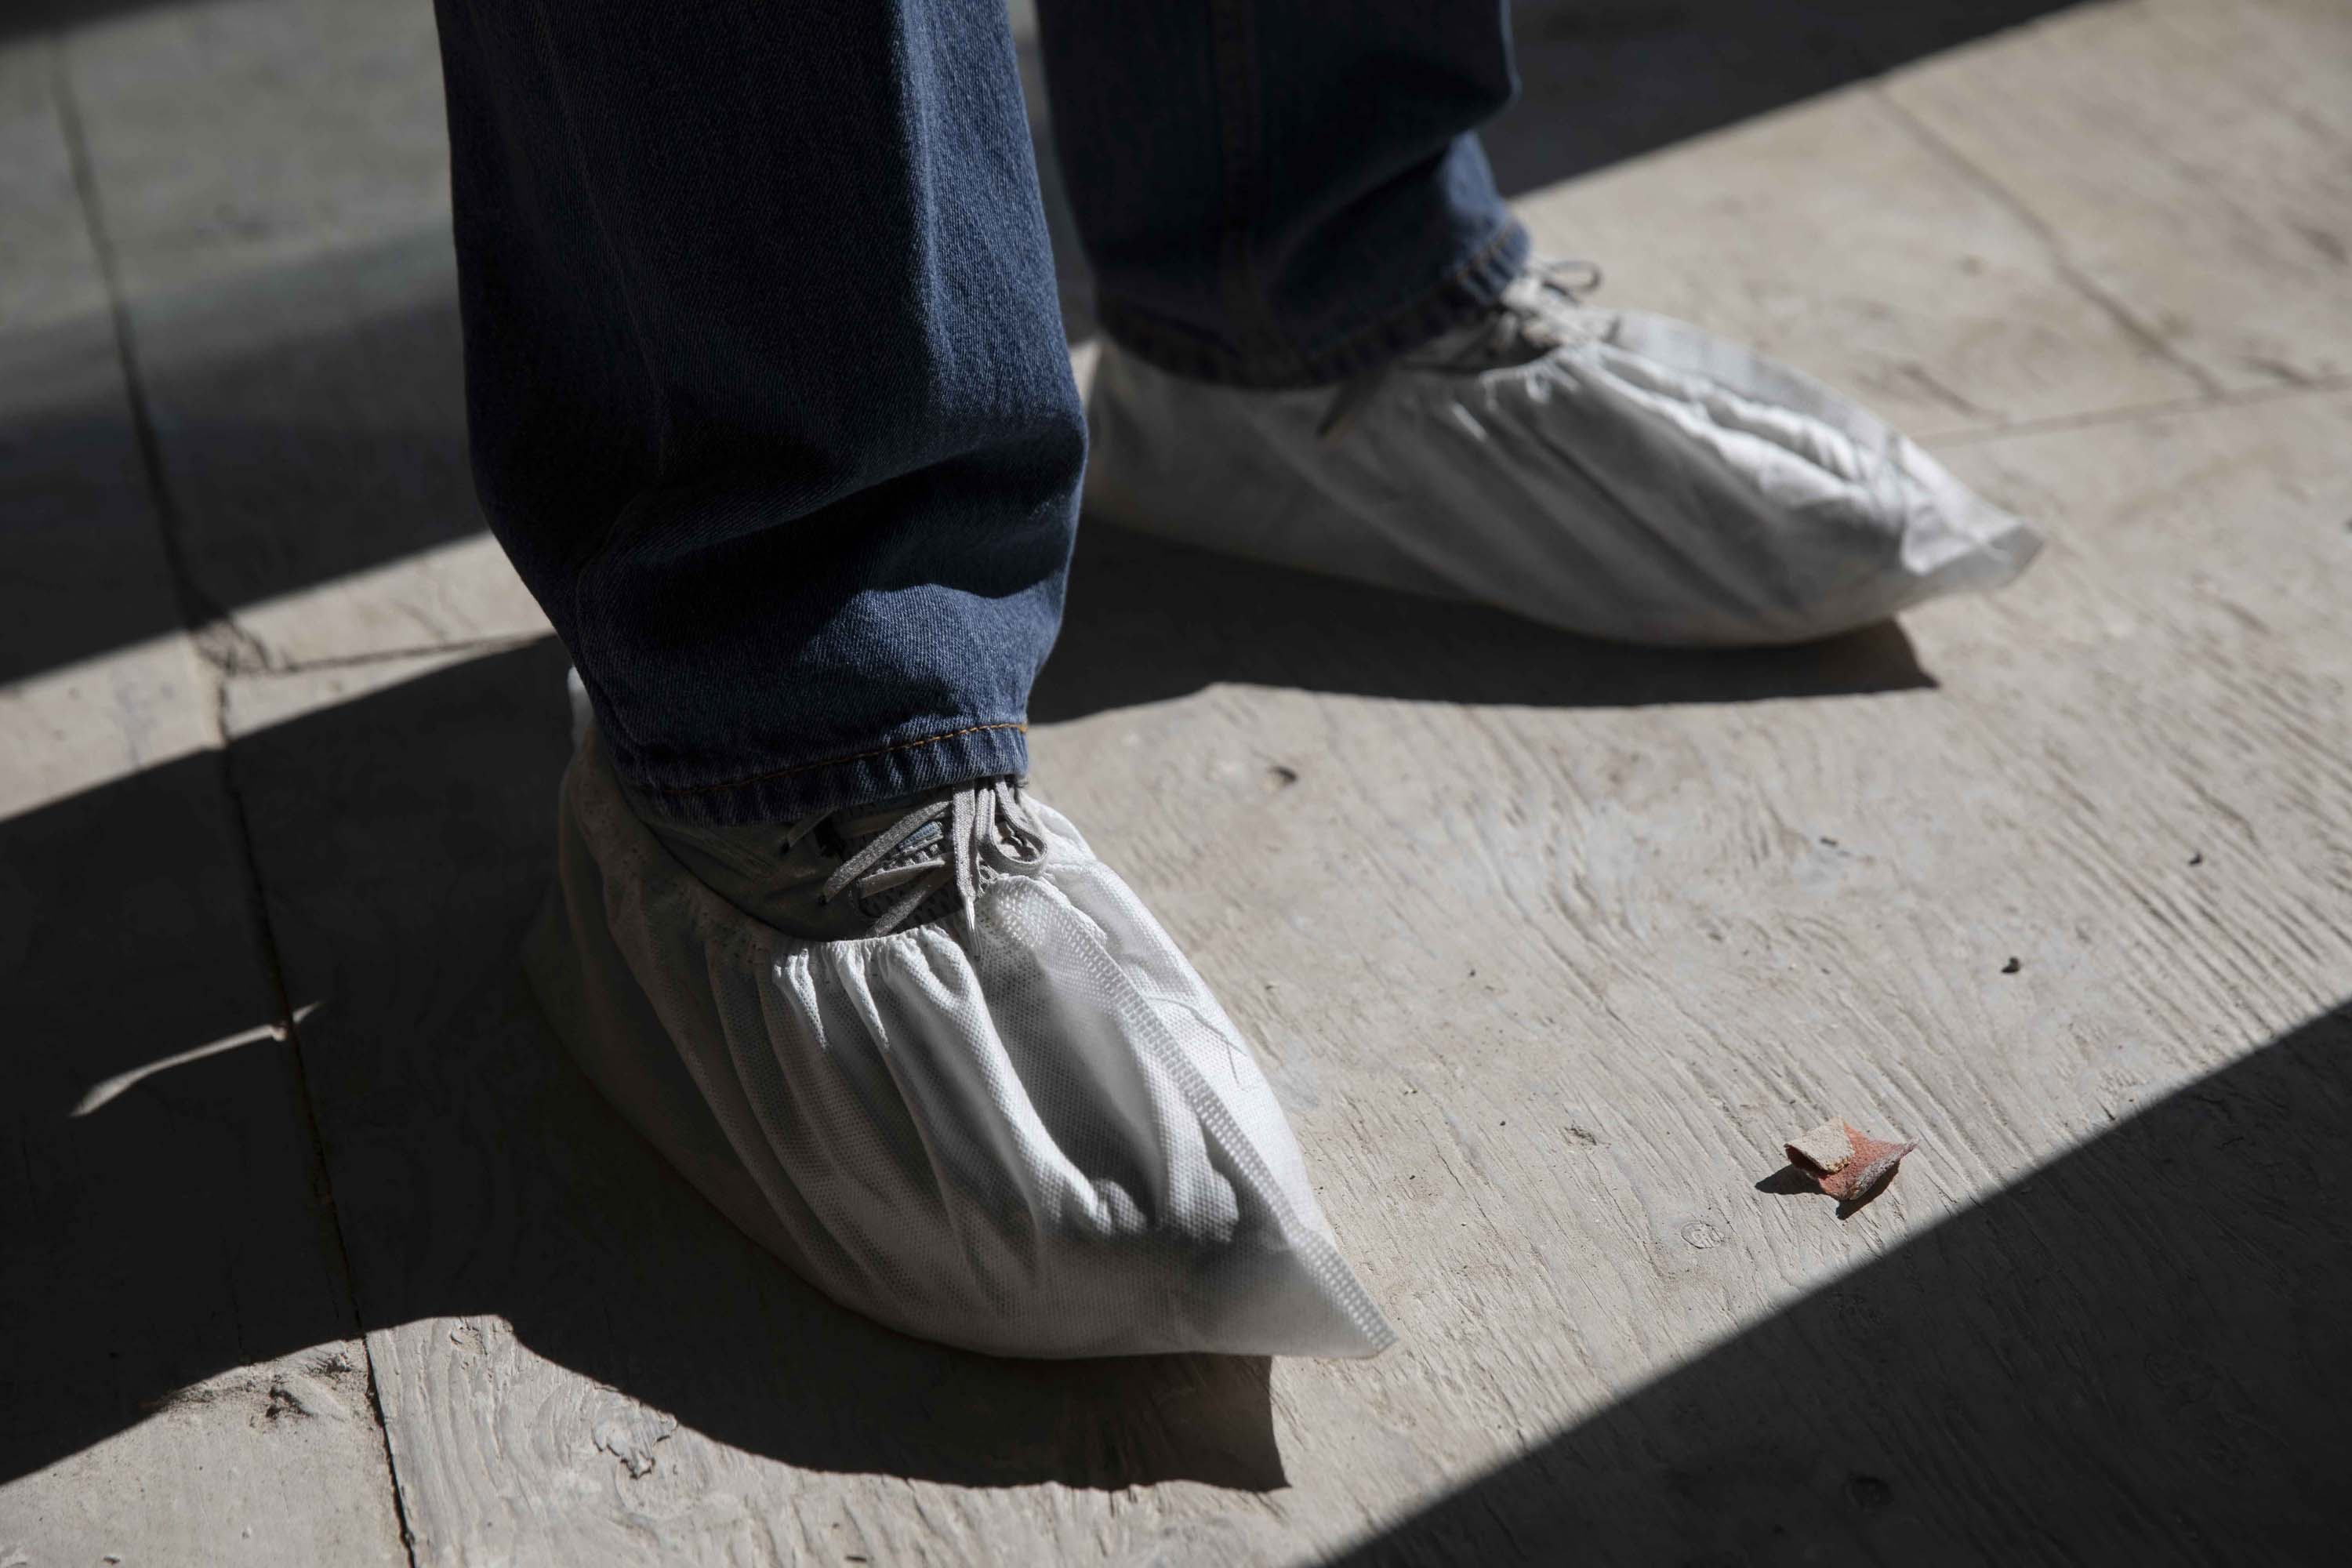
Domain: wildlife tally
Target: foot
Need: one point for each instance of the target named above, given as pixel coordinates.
(1607, 472)
(941, 1060)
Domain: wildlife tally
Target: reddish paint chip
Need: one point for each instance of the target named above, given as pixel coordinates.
(1850, 1173)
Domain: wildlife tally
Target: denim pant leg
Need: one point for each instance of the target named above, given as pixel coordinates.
(1282, 193)
(766, 380)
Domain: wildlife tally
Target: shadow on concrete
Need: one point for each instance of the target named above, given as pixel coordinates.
(311, 425)
(1147, 620)
(339, 444)
(174, 1231)
(312, 422)
(23, 18)
(183, 1227)
(1605, 80)
(2135, 1353)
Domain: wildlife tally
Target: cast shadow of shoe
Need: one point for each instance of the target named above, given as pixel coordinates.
(1148, 620)
(538, 1275)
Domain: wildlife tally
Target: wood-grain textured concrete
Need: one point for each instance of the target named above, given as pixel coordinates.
(1547, 945)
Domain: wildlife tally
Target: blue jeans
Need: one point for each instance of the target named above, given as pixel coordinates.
(765, 373)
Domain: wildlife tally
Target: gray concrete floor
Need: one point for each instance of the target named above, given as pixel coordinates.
(1547, 944)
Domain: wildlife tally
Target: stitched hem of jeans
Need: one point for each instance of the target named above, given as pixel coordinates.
(1466, 292)
(960, 755)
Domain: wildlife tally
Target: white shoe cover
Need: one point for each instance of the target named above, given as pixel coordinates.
(1644, 481)
(1040, 1137)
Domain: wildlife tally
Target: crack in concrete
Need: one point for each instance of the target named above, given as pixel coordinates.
(501, 643)
(2125, 413)
(231, 650)
(2071, 272)
(223, 648)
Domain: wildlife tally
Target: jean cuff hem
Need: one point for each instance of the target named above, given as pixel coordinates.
(960, 754)
(1466, 290)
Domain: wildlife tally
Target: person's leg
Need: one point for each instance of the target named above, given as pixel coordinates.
(768, 396)
(1327, 348)
(773, 412)
(1282, 195)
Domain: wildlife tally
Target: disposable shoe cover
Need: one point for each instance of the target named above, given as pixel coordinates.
(1040, 1136)
(1644, 480)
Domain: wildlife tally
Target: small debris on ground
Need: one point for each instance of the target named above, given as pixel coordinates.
(1847, 1164)
(2197, 857)
(2012, 967)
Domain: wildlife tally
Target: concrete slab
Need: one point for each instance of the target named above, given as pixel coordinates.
(179, 1360)
(320, 122)
(541, 1292)
(1605, 81)
(1831, 235)
(1544, 977)
(292, 302)
(84, 566)
(310, 420)
(1547, 945)
(1562, 976)
(2190, 162)
(49, 272)
(177, 1349)
(265, 1464)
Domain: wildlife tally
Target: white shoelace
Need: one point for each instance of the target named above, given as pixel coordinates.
(940, 844)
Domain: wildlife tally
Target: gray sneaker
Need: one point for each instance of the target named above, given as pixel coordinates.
(868, 871)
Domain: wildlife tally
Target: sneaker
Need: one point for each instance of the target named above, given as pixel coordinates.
(939, 1059)
(1609, 472)
(896, 864)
